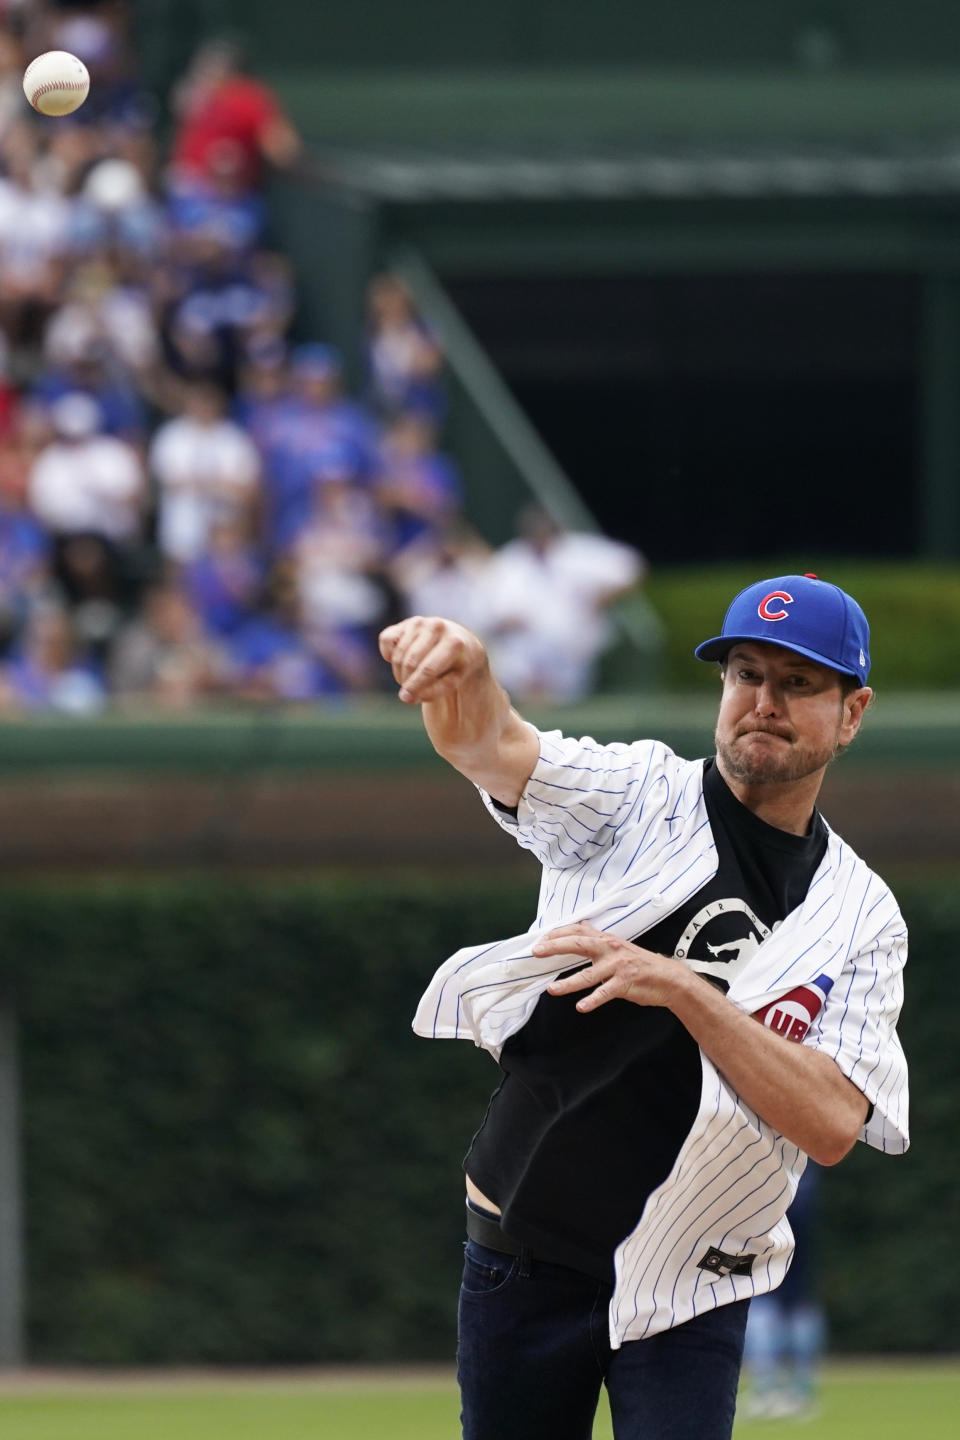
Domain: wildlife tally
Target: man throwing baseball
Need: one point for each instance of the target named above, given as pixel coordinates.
(709, 995)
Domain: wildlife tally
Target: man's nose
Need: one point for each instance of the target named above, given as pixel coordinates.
(768, 699)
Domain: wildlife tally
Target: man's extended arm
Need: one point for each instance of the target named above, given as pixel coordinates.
(444, 668)
(800, 1092)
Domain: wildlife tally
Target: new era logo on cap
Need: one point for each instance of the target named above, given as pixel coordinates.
(802, 613)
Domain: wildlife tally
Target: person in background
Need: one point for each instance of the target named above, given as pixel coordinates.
(88, 490)
(25, 547)
(404, 359)
(320, 431)
(206, 468)
(225, 581)
(103, 339)
(226, 117)
(419, 489)
(339, 562)
(223, 207)
(212, 300)
(323, 411)
(271, 275)
(549, 593)
(117, 216)
(786, 1330)
(36, 223)
(85, 480)
(82, 350)
(262, 402)
(47, 670)
(446, 577)
(163, 655)
(277, 656)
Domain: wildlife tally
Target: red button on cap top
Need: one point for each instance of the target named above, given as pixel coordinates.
(809, 575)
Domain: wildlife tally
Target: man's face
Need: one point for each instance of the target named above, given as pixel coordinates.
(782, 717)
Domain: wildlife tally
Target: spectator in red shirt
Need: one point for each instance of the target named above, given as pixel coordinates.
(227, 121)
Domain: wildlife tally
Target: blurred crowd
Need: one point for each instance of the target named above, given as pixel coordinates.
(192, 504)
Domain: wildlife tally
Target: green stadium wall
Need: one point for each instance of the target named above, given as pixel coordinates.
(425, 33)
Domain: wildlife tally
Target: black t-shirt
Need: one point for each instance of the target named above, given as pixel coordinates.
(592, 1109)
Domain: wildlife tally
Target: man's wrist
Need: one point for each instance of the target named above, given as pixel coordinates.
(693, 996)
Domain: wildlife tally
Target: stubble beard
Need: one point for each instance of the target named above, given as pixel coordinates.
(776, 764)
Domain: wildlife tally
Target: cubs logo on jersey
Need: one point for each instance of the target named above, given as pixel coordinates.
(793, 1014)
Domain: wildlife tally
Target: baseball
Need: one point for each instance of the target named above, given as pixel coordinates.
(56, 83)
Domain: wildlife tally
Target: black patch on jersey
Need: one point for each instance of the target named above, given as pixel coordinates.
(720, 1263)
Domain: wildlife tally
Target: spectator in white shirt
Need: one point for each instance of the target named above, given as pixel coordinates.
(207, 469)
(104, 315)
(446, 577)
(85, 482)
(35, 230)
(549, 591)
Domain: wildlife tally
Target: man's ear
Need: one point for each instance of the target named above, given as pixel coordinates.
(854, 706)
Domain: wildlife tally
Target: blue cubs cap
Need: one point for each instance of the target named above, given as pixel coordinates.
(802, 613)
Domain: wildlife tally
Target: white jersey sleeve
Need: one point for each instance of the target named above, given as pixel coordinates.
(857, 1025)
(580, 796)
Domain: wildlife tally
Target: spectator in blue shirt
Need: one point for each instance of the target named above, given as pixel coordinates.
(226, 581)
(404, 358)
(25, 547)
(46, 671)
(121, 408)
(263, 403)
(323, 412)
(418, 487)
(270, 655)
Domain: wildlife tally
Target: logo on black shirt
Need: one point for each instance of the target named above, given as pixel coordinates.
(721, 940)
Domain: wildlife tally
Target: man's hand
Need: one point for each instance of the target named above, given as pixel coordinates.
(443, 667)
(431, 657)
(798, 1090)
(618, 969)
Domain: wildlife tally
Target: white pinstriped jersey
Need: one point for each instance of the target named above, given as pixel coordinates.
(623, 837)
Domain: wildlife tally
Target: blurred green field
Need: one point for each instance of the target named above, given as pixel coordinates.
(868, 1401)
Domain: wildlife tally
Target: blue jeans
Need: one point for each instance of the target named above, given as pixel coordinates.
(534, 1351)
